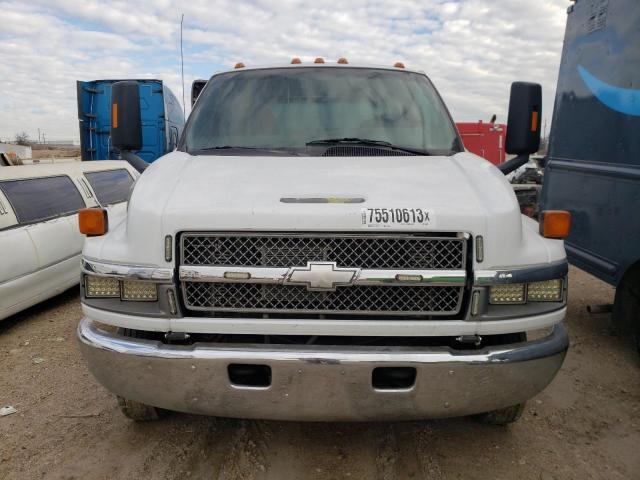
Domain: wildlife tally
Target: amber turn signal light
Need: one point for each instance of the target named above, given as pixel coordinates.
(93, 222)
(555, 224)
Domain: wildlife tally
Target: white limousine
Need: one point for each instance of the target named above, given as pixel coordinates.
(40, 244)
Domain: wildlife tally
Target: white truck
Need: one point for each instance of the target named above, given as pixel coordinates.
(321, 247)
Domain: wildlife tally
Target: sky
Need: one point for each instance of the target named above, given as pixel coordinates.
(471, 49)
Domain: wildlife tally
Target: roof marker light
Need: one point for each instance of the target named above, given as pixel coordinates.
(399, 65)
(319, 60)
(342, 61)
(295, 61)
(239, 65)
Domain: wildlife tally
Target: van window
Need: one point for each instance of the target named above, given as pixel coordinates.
(37, 199)
(111, 186)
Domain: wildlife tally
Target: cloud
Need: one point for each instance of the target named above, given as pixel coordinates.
(471, 49)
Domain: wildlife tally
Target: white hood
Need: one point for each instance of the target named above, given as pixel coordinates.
(183, 193)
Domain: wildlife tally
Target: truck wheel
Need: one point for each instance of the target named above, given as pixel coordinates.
(626, 306)
(503, 416)
(138, 411)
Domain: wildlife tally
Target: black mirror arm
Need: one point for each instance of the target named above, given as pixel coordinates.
(134, 160)
(514, 163)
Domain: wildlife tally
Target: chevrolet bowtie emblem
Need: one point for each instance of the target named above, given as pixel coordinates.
(321, 276)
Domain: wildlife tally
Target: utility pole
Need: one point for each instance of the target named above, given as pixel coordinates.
(38, 135)
(184, 114)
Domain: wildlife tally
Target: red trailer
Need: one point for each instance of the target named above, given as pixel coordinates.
(484, 139)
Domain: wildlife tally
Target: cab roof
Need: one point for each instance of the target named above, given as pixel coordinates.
(311, 64)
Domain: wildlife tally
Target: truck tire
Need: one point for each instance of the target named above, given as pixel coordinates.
(626, 306)
(503, 416)
(140, 412)
(137, 411)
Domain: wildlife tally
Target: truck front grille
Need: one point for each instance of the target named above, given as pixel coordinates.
(250, 297)
(395, 252)
(362, 251)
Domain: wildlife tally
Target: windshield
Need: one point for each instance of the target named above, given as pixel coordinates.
(286, 108)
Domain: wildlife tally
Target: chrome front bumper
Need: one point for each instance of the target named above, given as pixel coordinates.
(326, 383)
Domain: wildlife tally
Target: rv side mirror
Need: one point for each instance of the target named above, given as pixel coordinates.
(126, 125)
(523, 125)
(196, 89)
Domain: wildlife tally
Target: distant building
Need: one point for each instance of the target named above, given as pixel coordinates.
(16, 151)
(63, 143)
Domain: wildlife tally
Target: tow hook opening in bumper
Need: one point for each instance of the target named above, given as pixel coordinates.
(321, 382)
(249, 375)
(393, 378)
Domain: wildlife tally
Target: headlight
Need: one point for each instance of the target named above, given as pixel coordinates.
(514, 293)
(101, 287)
(547, 291)
(139, 291)
(507, 293)
(128, 290)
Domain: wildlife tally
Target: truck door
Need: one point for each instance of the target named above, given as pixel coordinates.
(152, 116)
(94, 117)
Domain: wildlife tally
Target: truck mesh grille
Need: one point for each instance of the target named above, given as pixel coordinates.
(294, 299)
(375, 252)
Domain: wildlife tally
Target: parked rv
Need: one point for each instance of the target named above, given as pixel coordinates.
(40, 243)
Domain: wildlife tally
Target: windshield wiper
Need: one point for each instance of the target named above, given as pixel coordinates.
(367, 141)
(239, 147)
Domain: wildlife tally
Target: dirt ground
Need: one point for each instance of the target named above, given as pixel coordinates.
(44, 151)
(585, 425)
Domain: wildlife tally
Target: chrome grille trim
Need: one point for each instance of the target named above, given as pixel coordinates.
(366, 251)
(356, 300)
(279, 276)
(155, 274)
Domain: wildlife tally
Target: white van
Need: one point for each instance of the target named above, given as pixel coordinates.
(39, 240)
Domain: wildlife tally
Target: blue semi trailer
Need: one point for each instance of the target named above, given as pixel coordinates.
(161, 116)
(593, 164)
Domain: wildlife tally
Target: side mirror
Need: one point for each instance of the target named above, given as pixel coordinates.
(196, 89)
(523, 125)
(126, 125)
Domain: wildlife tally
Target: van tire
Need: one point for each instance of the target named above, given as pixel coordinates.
(503, 416)
(137, 411)
(626, 306)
